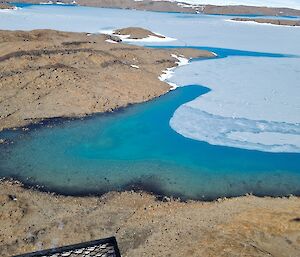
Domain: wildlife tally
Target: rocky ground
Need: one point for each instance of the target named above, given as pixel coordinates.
(136, 33)
(4, 5)
(168, 6)
(47, 74)
(271, 21)
(249, 10)
(144, 226)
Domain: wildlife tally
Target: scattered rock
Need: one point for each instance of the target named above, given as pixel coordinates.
(12, 197)
(113, 38)
(166, 199)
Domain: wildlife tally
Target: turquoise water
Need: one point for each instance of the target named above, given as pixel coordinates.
(28, 5)
(226, 52)
(136, 148)
(182, 16)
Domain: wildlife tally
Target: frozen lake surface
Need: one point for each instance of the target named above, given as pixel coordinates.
(253, 103)
(295, 4)
(263, 91)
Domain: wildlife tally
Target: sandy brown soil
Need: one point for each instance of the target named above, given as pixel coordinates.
(5, 6)
(136, 33)
(246, 10)
(46, 74)
(144, 226)
(166, 6)
(271, 21)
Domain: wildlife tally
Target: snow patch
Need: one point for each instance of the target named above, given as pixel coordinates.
(9, 10)
(57, 3)
(259, 23)
(294, 4)
(49, 2)
(149, 39)
(111, 41)
(169, 72)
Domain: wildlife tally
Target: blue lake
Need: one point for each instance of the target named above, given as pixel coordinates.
(136, 148)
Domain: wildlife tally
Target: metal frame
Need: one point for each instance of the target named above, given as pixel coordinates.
(109, 240)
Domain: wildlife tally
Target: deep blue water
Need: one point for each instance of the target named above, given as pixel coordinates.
(136, 148)
(28, 5)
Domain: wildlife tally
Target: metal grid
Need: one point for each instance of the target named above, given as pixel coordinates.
(99, 248)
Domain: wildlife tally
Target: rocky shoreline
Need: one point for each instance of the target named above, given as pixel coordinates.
(167, 6)
(6, 6)
(279, 22)
(48, 74)
(33, 220)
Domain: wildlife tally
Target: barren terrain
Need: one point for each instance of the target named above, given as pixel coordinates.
(167, 6)
(47, 74)
(271, 21)
(144, 226)
(4, 5)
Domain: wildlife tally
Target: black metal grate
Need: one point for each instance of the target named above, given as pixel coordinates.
(106, 247)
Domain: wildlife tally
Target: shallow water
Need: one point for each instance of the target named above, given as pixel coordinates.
(135, 147)
(244, 85)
